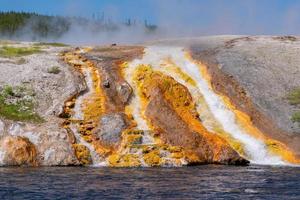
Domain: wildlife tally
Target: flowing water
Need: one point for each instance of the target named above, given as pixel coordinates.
(215, 113)
(202, 182)
(254, 148)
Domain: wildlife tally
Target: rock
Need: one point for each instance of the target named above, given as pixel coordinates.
(111, 127)
(2, 126)
(132, 137)
(16, 150)
(171, 111)
(127, 160)
(70, 104)
(256, 82)
(201, 147)
(57, 153)
(71, 136)
(152, 158)
(106, 84)
(83, 154)
(124, 91)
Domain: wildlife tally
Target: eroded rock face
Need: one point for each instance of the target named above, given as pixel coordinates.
(18, 151)
(111, 127)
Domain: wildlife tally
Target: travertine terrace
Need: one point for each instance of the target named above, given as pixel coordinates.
(210, 100)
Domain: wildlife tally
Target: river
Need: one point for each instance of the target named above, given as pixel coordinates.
(199, 182)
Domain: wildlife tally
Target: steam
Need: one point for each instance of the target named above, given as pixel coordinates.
(77, 30)
(255, 149)
(174, 18)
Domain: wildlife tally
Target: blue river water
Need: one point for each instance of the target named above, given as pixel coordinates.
(199, 182)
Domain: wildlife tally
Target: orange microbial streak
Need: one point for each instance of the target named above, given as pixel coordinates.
(244, 121)
(92, 106)
(180, 99)
(203, 108)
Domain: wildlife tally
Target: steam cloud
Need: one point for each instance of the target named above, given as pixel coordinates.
(185, 18)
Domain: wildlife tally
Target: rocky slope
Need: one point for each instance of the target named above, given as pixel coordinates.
(257, 74)
(167, 103)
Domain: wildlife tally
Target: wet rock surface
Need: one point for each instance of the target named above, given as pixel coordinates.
(17, 151)
(108, 60)
(257, 73)
(111, 127)
(175, 119)
(100, 110)
(175, 131)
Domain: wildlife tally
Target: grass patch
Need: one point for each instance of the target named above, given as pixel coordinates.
(294, 97)
(16, 103)
(8, 91)
(296, 117)
(54, 44)
(8, 51)
(54, 70)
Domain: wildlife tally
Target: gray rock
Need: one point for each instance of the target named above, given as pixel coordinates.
(266, 67)
(49, 138)
(111, 127)
(124, 91)
(2, 126)
(58, 153)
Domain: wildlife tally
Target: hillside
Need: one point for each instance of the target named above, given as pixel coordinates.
(209, 100)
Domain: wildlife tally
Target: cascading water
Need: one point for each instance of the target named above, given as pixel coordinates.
(217, 115)
(255, 149)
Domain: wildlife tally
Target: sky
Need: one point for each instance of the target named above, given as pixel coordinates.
(183, 17)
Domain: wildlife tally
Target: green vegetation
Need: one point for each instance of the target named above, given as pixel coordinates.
(9, 51)
(54, 44)
(296, 117)
(17, 103)
(8, 91)
(294, 99)
(38, 27)
(294, 96)
(54, 70)
(12, 24)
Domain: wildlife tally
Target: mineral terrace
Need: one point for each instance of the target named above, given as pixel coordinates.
(208, 100)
